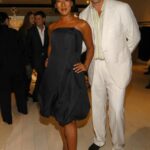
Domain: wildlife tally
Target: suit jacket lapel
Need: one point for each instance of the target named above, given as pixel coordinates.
(90, 18)
(38, 35)
(108, 15)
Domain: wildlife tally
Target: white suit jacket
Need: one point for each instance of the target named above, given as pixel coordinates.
(120, 36)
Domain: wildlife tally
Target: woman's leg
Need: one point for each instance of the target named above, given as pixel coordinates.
(62, 132)
(69, 133)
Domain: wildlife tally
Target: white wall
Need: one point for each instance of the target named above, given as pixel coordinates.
(141, 9)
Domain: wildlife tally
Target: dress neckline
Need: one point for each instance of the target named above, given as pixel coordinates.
(59, 28)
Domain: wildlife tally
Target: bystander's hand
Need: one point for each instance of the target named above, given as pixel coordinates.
(46, 62)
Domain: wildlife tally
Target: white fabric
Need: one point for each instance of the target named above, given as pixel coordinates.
(103, 89)
(109, 78)
(98, 26)
(120, 36)
(42, 34)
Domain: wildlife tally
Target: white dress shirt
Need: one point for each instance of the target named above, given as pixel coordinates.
(98, 26)
(41, 33)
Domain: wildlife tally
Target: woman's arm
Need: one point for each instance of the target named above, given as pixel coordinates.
(49, 45)
(87, 36)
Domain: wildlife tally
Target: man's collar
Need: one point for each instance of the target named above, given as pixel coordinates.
(103, 5)
(40, 28)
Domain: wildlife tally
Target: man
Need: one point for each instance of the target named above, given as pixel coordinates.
(115, 35)
(147, 73)
(37, 45)
(11, 71)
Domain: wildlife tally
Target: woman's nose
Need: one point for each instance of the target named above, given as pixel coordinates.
(63, 4)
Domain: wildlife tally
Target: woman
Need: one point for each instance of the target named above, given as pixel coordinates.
(28, 22)
(63, 91)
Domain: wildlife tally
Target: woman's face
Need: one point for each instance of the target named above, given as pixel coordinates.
(64, 6)
(31, 19)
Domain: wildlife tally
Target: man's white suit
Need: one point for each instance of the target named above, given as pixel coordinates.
(120, 36)
(109, 78)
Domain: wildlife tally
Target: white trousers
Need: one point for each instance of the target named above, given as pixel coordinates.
(105, 91)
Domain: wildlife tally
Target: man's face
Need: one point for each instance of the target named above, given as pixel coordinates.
(7, 22)
(39, 20)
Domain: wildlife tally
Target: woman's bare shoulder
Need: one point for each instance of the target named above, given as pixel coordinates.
(53, 25)
(83, 22)
(82, 25)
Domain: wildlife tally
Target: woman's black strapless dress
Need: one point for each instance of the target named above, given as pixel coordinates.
(63, 93)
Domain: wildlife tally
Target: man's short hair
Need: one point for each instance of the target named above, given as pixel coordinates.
(3, 17)
(40, 13)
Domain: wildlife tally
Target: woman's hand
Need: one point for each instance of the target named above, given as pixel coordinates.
(79, 67)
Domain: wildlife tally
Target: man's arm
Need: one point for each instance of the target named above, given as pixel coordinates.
(131, 27)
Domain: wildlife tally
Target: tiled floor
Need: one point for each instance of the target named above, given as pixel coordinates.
(30, 132)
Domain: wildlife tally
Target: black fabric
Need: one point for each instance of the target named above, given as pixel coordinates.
(37, 53)
(22, 36)
(63, 92)
(11, 73)
(10, 54)
(144, 45)
(3, 17)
